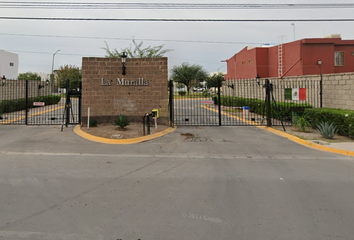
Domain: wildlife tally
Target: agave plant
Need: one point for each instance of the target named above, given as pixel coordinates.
(327, 130)
(121, 121)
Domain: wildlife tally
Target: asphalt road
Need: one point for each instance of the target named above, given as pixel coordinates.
(202, 183)
(201, 112)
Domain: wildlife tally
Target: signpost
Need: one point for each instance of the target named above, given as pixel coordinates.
(208, 102)
(38, 104)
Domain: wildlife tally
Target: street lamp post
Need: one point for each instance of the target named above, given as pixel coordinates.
(293, 24)
(52, 75)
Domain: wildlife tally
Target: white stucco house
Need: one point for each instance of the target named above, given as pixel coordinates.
(44, 76)
(8, 64)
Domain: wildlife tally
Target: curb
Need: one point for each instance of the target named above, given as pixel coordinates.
(307, 143)
(78, 131)
(293, 138)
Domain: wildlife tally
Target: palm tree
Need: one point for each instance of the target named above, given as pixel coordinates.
(189, 75)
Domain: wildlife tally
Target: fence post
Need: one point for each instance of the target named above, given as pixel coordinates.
(321, 90)
(170, 85)
(219, 101)
(80, 102)
(26, 110)
(67, 103)
(268, 104)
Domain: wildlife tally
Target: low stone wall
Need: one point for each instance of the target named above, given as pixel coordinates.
(108, 93)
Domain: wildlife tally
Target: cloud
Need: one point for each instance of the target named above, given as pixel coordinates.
(35, 52)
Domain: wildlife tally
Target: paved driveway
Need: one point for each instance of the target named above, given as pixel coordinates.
(196, 183)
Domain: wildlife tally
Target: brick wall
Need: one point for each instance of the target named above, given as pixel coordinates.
(145, 88)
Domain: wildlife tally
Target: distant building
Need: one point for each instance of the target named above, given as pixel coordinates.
(293, 59)
(44, 76)
(8, 64)
(218, 72)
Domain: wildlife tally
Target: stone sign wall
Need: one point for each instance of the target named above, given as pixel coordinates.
(108, 93)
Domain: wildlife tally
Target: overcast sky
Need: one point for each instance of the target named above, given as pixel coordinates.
(36, 52)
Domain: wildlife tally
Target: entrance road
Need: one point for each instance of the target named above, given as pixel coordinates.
(196, 183)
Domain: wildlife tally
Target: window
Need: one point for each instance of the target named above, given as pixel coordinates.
(11, 64)
(338, 58)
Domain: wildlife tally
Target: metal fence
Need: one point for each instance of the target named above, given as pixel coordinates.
(24, 102)
(244, 102)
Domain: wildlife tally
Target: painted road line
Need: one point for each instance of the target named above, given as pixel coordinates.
(230, 115)
(90, 137)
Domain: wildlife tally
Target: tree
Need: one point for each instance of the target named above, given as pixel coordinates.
(29, 76)
(138, 51)
(189, 75)
(70, 72)
(212, 81)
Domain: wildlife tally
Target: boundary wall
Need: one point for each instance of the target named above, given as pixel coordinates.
(338, 89)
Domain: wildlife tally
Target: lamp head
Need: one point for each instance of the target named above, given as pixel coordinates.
(124, 57)
(258, 79)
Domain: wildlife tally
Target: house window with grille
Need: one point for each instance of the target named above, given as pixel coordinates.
(338, 58)
(11, 64)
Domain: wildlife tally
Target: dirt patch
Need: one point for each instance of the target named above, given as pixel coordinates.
(313, 134)
(133, 130)
(187, 135)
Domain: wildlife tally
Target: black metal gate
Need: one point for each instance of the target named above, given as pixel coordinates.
(244, 102)
(24, 102)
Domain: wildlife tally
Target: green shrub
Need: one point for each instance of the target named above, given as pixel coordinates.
(342, 119)
(301, 123)
(327, 130)
(258, 106)
(13, 105)
(121, 121)
(182, 93)
(206, 93)
(93, 122)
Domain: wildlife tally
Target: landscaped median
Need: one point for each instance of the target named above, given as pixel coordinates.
(90, 137)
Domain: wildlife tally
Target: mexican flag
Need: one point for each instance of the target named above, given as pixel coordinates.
(295, 93)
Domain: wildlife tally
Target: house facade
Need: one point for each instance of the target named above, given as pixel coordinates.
(8, 64)
(312, 56)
